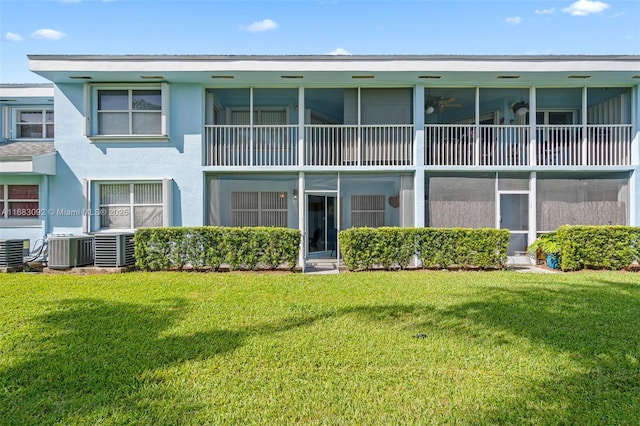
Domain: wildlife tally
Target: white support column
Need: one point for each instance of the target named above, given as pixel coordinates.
(635, 121)
(44, 204)
(418, 120)
(533, 137)
(476, 132)
(533, 214)
(301, 135)
(634, 200)
(418, 194)
(251, 125)
(583, 118)
(167, 204)
(359, 132)
(302, 219)
(634, 176)
(86, 205)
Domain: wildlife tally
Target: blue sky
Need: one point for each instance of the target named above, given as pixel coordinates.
(281, 27)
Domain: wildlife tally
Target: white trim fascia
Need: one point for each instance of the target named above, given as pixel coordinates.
(44, 164)
(129, 138)
(204, 63)
(26, 90)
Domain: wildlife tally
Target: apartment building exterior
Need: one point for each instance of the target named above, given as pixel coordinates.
(322, 143)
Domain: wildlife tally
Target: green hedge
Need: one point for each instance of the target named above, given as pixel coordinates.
(211, 246)
(393, 248)
(443, 247)
(598, 247)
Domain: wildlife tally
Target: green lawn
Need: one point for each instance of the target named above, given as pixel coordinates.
(360, 348)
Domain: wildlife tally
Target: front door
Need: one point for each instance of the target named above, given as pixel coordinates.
(514, 216)
(322, 229)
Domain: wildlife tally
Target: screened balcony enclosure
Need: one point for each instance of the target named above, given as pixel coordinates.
(572, 127)
(337, 127)
(474, 127)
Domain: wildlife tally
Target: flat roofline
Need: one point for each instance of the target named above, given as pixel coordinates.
(26, 85)
(136, 57)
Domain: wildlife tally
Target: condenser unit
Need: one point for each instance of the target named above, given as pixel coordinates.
(11, 253)
(114, 250)
(70, 251)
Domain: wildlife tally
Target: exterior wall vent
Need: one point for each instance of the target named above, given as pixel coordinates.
(11, 252)
(70, 251)
(114, 250)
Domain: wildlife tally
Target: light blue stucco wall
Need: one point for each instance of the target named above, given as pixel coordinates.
(79, 158)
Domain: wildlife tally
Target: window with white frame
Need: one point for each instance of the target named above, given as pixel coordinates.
(367, 210)
(259, 209)
(34, 124)
(130, 111)
(131, 205)
(19, 201)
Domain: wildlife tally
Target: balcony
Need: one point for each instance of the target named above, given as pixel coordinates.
(393, 145)
(500, 145)
(275, 145)
(324, 145)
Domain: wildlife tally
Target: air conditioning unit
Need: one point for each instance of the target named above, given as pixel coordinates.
(114, 250)
(11, 253)
(70, 251)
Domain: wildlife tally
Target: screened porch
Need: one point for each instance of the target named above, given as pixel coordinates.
(528, 127)
(334, 127)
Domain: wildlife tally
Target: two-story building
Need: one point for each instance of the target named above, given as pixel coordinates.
(324, 143)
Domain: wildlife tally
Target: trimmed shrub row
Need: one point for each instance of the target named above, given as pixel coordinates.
(598, 247)
(211, 246)
(393, 248)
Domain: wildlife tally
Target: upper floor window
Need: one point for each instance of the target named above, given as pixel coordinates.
(34, 124)
(137, 111)
(27, 122)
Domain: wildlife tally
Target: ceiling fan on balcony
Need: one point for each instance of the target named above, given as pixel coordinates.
(440, 104)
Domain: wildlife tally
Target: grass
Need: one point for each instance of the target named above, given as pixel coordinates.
(363, 348)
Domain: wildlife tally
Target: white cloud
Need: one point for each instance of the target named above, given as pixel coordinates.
(261, 26)
(48, 34)
(548, 11)
(339, 51)
(515, 20)
(12, 37)
(70, 1)
(585, 7)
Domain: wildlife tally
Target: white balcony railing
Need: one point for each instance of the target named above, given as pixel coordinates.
(324, 145)
(509, 145)
(470, 145)
(609, 145)
(393, 145)
(251, 146)
(352, 145)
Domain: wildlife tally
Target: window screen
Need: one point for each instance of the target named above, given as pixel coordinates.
(367, 210)
(590, 200)
(460, 201)
(259, 209)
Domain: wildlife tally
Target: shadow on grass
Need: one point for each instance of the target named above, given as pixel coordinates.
(598, 326)
(95, 359)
